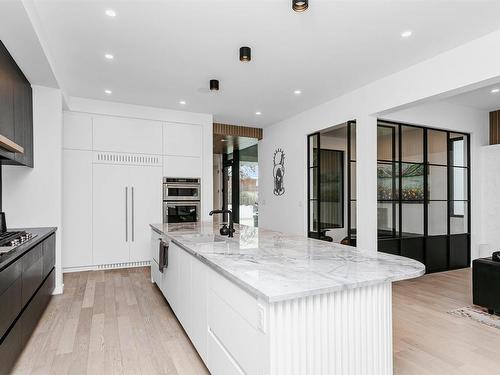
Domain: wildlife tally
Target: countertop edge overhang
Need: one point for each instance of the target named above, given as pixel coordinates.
(419, 270)
(41, 234)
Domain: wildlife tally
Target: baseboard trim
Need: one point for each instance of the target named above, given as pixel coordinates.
(59, 289)
(109, 266)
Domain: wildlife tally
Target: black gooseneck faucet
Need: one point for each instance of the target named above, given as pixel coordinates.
(231, 223)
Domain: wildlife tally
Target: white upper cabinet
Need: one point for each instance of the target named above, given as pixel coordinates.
(121, 134)
(77, 131)
(182, 139)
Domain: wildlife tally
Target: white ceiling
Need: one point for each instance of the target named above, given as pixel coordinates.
(481, 98)
(166, 51)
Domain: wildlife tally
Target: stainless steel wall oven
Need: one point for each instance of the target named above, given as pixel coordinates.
(181, 200)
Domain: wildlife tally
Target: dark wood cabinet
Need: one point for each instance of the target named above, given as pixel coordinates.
(16, 110)
(26, 287)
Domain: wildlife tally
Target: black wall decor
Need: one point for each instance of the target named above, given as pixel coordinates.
(279, 171)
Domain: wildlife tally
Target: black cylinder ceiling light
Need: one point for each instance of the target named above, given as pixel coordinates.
(214, 85)
(245, 54)
(300, 5)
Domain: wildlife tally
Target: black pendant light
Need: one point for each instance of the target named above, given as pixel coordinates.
(300, 5)
(245, 54)
(214, 85)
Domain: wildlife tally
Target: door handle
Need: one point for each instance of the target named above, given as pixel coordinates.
(133, 213)
(126, 213)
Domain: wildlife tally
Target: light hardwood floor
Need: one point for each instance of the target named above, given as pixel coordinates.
(117, 322)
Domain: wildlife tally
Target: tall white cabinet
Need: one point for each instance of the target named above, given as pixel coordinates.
(112, 184)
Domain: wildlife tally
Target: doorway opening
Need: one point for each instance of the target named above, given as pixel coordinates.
(236, 177)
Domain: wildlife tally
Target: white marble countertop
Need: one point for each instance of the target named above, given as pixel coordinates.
(276, 266)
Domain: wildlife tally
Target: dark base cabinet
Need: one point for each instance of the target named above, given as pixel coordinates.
(26, 288)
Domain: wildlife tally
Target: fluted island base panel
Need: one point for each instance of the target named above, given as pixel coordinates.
(345, 333)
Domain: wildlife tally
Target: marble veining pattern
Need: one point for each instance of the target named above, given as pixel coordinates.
(277, 266)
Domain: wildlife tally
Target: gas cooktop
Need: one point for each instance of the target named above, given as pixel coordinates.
(10, 240)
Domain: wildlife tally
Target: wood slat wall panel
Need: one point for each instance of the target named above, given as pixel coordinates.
(239, 131)
(494, 127)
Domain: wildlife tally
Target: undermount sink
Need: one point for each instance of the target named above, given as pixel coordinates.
(205, 238)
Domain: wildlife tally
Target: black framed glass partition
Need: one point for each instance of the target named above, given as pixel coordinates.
(423, 184)
(327, 197)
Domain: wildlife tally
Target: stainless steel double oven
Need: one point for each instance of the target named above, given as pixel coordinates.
(181, 200)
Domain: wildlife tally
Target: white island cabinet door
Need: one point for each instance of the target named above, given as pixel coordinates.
(111, 200)
(77, 209)
(145, 208)
(121, 134)
(170, 278)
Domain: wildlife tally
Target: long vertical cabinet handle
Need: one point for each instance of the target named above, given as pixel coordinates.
(133, 213)
(126, 213)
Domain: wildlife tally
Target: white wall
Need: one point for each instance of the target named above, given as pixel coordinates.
(32, 197)
(490, 208)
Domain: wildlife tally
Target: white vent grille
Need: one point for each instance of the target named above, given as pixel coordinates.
(123, 265)
(127, 159)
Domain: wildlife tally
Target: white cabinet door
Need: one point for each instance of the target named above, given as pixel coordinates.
(199, 307)
(182, 139)
(77, 209)
(170, 279)
(145, 208)
(77, 131)
(181, 166)
(185, 302)
(110, 219)
(121, 134)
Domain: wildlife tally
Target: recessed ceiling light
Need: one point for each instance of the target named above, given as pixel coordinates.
(109, 92)
(110, 13)
(223, 140)
(406, 34)
(109, 56)
(182, 102)
(258, 113)
(495, 91)
(297, 92)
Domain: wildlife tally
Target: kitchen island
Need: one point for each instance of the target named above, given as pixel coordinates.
(266, 302)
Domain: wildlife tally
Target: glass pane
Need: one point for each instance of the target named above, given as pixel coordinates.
(459, 217)
(438, 218)
(387, 219)
(313, 146)
(332, 188)
(412, 219)
(249, 192)
(353, 141)
(413, 182)
(459, 184)
(313, 183)
(386, 143)
(438, 183)
(353, 216)
(387, 181)
(412, 144)
(437, 145)
(353, 180)
(313, 216)
(458, 150)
